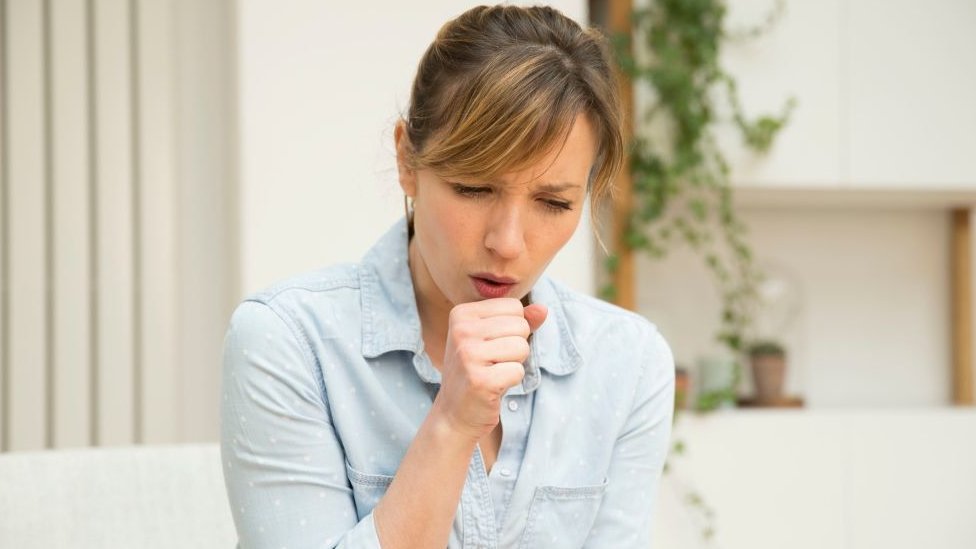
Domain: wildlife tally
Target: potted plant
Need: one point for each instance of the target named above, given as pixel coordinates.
(768, 360)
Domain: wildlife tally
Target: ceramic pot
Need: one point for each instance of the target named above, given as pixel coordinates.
(768, 373)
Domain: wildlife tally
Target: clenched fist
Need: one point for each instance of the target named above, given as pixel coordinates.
(487, 342)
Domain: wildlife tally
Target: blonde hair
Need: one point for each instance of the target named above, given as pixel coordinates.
(501, 85)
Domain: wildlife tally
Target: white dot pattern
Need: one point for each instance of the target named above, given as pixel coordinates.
(321, 398)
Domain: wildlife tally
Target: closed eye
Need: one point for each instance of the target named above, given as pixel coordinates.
(465, 190)
(557, 205)
(550, 205)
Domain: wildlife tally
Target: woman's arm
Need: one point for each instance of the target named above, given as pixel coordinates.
(284, 466)
(419, 506)
(283, 462)
(486, 344)
(625, 516)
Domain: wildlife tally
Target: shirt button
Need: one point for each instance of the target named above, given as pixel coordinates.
(512, 405)
(505, 472)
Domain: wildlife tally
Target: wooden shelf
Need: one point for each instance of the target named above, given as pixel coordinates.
(853, 197)
(784, 402)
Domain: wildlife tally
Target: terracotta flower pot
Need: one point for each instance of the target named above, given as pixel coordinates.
(768, 373)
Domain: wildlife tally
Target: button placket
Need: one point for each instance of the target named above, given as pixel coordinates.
(503, 477)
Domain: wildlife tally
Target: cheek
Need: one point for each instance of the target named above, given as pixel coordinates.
(559, 232)
(450, 231)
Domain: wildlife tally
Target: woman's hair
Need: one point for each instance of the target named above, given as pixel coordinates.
(501, 85)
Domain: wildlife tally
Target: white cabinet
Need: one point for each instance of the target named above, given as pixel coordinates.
(886, 93)
(813, 480)
(911, 79)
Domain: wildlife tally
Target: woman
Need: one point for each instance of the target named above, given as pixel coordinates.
(443, 392)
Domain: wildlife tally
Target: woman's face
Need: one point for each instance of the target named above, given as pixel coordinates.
(468, 232)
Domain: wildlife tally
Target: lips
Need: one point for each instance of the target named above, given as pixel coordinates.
(496, 279)
(491, 286)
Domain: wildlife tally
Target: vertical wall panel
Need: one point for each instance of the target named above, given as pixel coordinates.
(114, 257)
(72, 250)
(93, 254)
(27, 229)
(159, 354)
(207, 241)
(4, 279)
(95, 250)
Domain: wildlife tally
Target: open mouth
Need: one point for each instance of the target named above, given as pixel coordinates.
(490, 287)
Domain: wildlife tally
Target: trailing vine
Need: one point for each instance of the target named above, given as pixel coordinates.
(681, 186)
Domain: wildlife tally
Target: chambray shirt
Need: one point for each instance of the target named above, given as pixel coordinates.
(325, 383)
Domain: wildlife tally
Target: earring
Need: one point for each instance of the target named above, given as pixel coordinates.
(408, 212)
(408, 207)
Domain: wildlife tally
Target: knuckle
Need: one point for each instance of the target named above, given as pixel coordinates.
(513, 373)
(461, 330)
(465, 352)
(517, 372)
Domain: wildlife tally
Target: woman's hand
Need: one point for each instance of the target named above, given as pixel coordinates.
(487, 342)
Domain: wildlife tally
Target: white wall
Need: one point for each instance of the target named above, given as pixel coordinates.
(321, 86)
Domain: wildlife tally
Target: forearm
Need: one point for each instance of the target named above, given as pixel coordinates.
(419, 506)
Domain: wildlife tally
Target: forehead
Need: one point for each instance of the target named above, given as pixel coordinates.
(566, 163)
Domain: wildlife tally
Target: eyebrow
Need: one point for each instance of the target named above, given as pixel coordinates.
(557, 187)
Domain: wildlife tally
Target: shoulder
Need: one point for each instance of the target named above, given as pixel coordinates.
(323, 281)
(302, 301)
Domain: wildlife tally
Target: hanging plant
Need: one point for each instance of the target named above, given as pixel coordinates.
(681, 187)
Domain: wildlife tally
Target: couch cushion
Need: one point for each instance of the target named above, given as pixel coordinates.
(142, 496)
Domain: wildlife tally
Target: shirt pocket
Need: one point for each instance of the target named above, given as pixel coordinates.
(562, 517)
(367, 489)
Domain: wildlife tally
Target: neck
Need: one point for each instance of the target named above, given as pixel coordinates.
(432, 307)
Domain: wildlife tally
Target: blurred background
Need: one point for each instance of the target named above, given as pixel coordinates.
(161, 159)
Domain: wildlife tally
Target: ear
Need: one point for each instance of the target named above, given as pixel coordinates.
(408, 176)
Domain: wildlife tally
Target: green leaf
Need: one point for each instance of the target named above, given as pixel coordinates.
(679, 447)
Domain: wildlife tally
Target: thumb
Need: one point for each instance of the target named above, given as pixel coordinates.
(536, 314)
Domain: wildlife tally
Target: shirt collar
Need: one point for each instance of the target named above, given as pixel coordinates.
(390, 321)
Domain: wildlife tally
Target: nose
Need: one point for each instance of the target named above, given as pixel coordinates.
(506, 233)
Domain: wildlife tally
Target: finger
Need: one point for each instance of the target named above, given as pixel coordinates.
(536, 314)
(507, 374)
(498, 306)
(505, 349)
(502, 326)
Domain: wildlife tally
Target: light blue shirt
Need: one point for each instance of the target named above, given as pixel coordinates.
(326, 382)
